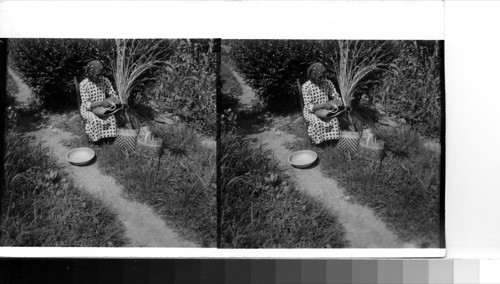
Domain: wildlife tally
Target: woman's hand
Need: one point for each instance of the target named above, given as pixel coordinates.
(322, 114)
(319, 106)
(106, 103)
(330, 105)
(97, 104)
(114, 100)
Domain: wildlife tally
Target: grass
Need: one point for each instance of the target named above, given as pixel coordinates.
(41, 206)
(180, 187)
(260, 206)
(404, 189)
(133, 58)
(355, 61)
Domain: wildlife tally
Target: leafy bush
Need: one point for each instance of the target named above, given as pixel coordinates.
(42, 207)
(411, 91)
(187, 85)
(414, 92)
(49, 65)
(260, 207)
(271, 67)
(359, 66)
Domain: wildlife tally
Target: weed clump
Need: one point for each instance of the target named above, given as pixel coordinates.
(42, 207)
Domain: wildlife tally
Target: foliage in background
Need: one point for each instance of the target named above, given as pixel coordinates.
(414, 91)
(260, 207)
(178, 76)
(271, 67)
(42, 207)
(186, 85)
(49, 65)
(132, 60)
(411, 90)
(356, 65)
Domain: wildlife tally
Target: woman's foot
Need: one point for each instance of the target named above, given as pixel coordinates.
(102, 141)
(108, 140)
(328, 143)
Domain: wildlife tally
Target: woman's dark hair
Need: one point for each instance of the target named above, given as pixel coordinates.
(314, 69)
(92, 67)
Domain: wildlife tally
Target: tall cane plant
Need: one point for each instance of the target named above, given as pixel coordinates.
(131, 60)
(354, 64)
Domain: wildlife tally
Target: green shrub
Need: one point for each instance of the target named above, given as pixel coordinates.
(42, 207)
(414, 92)
(187, 85)
(49, 65)
(271, 67)
(260, 207)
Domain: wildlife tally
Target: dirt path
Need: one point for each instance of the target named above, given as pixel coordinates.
(23, 91)
(143, 227)
(247, 98)
(363, 228)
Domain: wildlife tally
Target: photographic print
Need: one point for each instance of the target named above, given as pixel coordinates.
(331, 144)
(110, 143)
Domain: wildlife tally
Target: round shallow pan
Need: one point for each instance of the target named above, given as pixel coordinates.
(302, 159)
(80, 156)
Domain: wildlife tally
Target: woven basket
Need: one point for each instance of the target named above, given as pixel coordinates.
(367, 132)
(126, 138)
(349, 141)
(150, 147)
(371, 149)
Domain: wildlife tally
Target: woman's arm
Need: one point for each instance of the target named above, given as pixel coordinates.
(308, 102)
(336, 98)
(86, 101)
(98, 104)
(317, 107)
(109, 89)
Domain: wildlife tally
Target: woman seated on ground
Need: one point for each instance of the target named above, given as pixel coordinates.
(97, 91)
(320, 96)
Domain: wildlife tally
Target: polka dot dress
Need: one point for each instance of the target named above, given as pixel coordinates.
(313, 94)
(91, 92)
